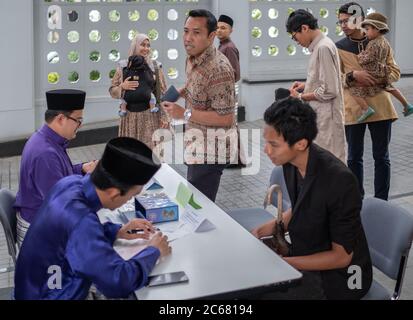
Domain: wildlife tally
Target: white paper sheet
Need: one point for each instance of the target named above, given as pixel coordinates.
(195, 222)
(190, 221)
(174, 230)
(129, 248)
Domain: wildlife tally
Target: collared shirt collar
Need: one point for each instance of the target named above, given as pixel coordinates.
(358, 40)
(316, 41)
(228, 40)
(54, 136)
(361, 43)
(205, 56)
(89, 189)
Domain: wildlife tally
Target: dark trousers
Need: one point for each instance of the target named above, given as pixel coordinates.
(206, 178)
(241, 154)
(380, 135)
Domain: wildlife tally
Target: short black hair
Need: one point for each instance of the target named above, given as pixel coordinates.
(282, 93)
(345, 8)
(103, 180)
(294, 119)
(299, 18)
(212, 23)
(50, 115)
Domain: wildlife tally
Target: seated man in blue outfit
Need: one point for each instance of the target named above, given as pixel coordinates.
(67, 248)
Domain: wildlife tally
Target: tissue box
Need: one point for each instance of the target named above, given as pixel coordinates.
(157, 207)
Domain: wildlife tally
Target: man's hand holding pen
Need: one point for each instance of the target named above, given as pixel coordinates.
(136, 229)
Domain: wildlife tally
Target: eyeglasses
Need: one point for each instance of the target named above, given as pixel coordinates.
(341, 22)
(293, 36)
(78, 121)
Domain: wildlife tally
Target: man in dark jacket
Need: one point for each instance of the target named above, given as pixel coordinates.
(328, 243)
(379, 125)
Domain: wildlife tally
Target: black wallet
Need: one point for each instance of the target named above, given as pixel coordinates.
(171, 95)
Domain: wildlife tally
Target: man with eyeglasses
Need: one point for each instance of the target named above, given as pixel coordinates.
(322, 89)
(45, 160)
(350, 17)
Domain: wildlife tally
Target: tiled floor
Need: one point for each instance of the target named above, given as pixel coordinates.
(240, 191)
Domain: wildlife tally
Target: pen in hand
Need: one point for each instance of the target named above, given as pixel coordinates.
(136, 231)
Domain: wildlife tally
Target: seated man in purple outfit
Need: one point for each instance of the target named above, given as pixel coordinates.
(44, 160)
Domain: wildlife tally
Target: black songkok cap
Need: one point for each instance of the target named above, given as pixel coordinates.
(226, 19)
(65, 100)
(130, 161)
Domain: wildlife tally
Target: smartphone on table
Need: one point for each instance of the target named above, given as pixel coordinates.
(167, 278)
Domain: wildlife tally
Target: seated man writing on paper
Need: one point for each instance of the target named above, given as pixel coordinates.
(328, 244)
(67, 248)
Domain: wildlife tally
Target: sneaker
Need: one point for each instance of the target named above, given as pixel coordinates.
(408, 111)
(370, 111)
(122, 113)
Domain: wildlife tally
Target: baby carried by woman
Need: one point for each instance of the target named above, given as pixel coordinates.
(142, 98)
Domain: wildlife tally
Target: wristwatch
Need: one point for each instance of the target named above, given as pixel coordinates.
(350, 78)
(187, 114)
